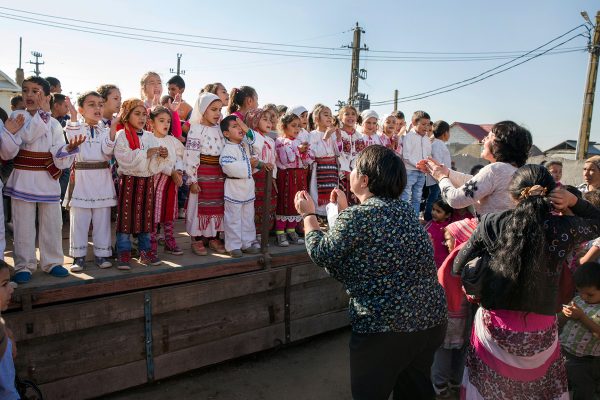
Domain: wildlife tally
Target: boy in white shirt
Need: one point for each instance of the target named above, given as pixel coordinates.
(416, 147)
(441, 154)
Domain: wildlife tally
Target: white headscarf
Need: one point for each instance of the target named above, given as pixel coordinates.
(298, 110)
(366, 114)
(201, 105)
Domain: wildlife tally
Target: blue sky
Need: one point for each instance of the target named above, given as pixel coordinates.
(544, 94)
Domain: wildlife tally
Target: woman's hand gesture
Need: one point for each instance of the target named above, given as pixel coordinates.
(304, 203)
(339, 197)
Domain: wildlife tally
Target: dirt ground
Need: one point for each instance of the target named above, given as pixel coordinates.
(317, 368)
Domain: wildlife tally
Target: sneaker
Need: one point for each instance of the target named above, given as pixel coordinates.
(217, 245)
(58, 271)
(22, 277)
(198, 248)
(442, 392)
(175, 250)
(282, 240)
(102, 262)
(251, 250)
(237, 253)
(294, 239)
(259, 238)
(149, 258)
(78, 264)
(181, 213)
(124, 261)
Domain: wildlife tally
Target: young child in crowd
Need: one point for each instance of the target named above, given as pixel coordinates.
(175, 88)
(238, 163)
(441, 217)
(167, 181)
(139, 158)
(205, 142)
(8, 390)
(40, 152)
(59, 108)
(441, 154)
(55, 86)
(388, 135)
(400, 130)
(151, 90)
(302, 113)
(241, 101)
(590, 251)
(369, 127)
(112, 103)
(259, 120)
(555, 168)
(580, 336)
(325, 172)
(416, 146)
(448, 362)
(91, 193)
(350, 143)
(17, 103)
(292, 160)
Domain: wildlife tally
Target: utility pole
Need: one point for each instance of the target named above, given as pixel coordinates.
(590, 88)
(355, 72)
(19, 74)
(37, 63)
(179, 71)
(395, 100)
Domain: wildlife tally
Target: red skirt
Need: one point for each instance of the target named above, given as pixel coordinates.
(211, 203)
(165, 203)
(135, 213)
(289, 181)
(259, 201)
(327, 178)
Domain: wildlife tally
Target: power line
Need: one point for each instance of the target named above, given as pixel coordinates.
(492, 69)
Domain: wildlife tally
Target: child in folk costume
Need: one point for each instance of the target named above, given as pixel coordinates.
(302, 113)
(167, 182)
(139, 157)
(238, 163)
(40, 152)
(293, 157)
(91, 192)
(259, 120)
(205, 142)
(325, 173)
(151, 91)
(388, 135)
(350, 143)
(242, 100)
(369, 127)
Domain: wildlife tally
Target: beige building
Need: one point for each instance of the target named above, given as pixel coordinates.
(8, 88)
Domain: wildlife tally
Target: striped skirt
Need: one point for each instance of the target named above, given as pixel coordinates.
(289, 181)
(259, 201)
(327, 178)
(165, 203)
(514, 355)
(206, 209)
(135, 209)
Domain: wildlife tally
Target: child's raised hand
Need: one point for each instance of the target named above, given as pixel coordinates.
(329, 132)
(75, 142)
(268, 167)
(303, 148)
(242, 124)
(194, 188)
(72, 110)
(156, 100)
(254, 162)
(13, 125)
(163, 152)
(572, 311)
(153, 151)
(176, 103)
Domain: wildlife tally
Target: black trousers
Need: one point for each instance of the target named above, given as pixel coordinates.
(400, 362)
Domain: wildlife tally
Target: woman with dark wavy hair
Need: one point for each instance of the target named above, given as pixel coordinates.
(514, 347)
(506, 147)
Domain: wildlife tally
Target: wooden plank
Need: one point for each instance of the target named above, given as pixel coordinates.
(307, 272)
(177, 362)
(316, 324)
(96, 383)
(177, 330)
(74, 316)
(317, 297)
(55, 357)
(199, 293)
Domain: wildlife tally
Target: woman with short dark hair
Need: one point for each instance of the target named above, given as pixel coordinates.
(383, 256)
(506, 147)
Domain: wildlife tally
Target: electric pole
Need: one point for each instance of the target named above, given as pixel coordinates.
(590, 88)
(355, 72)
(395, 100)
(19, 74)
(179, 71)
(37, 63)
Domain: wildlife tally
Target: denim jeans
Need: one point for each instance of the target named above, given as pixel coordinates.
(415, 180)
(434, 195)
(124, 242)
(448, 366)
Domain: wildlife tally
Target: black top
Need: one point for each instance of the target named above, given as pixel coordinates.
(563, 233)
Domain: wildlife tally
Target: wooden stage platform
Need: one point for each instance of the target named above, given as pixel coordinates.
(102, 331)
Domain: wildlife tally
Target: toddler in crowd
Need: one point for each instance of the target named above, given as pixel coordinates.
(441, 216)
(7, 346)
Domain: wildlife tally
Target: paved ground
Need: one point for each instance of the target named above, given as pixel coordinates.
(313, 369)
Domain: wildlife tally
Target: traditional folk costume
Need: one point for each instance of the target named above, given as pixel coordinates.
(324, 171)
(205, 210)
(349, 145)
(165, 193)
(40, 154)
(391, 142)
(292, 177)
(91, 192)
(240, 232)
(136, 192)
(266, 155)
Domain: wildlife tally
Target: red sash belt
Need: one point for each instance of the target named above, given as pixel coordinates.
(37, 161)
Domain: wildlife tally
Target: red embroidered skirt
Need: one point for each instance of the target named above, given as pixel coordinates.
(327, 178)
(259, 201)
(135, 213)
(165, 204)
(211, 203)
(289, 181)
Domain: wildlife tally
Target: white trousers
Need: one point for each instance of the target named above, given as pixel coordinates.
(240, 231)
(80, 226)
(49, 235)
